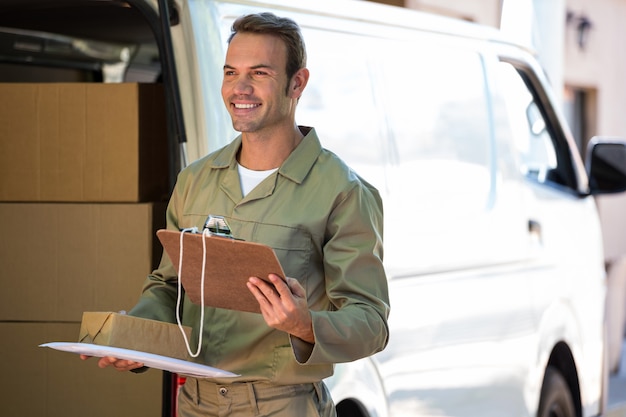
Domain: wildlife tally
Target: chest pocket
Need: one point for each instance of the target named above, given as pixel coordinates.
(293, 247)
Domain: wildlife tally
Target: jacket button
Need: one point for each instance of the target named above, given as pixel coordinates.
(223, 390)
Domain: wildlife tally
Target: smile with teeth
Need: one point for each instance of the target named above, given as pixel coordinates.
(245, 106)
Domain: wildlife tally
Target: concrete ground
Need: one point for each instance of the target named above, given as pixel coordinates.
(617, 389)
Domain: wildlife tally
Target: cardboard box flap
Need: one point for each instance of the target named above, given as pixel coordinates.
(91, 329)
(128, 332)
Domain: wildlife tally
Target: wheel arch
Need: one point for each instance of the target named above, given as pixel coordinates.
(351, 407)
(358, 390)
(562, 359)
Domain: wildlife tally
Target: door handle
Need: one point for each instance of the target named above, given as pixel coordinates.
(534, 230)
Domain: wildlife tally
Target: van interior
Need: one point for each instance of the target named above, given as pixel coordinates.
(77, 41)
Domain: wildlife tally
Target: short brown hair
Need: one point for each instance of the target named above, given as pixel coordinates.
(286, 29)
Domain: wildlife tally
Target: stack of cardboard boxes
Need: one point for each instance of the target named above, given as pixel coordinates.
(83, 189)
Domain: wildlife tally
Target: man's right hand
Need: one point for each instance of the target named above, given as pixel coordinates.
(118, 364)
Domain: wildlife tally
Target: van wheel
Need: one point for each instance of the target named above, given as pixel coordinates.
(556, 399)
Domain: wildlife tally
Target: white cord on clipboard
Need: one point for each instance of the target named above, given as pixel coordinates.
(205, 233)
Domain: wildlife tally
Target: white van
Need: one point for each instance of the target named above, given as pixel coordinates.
(492, 240)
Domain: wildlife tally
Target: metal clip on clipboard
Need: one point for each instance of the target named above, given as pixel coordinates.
(217, 226)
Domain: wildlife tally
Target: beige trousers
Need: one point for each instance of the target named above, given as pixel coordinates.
(201, 398)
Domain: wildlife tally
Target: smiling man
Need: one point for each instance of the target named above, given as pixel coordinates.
(276, 185)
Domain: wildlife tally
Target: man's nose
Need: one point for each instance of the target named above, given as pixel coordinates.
(243, 85)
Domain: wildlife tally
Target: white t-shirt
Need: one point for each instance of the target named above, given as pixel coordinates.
(250, 179)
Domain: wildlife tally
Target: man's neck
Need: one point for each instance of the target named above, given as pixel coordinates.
(262, 152)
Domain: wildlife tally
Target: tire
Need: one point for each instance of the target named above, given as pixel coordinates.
(556, 398)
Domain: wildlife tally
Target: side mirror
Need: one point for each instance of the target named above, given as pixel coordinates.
(606, 165)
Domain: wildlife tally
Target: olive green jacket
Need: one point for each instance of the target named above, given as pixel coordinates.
(325, 224)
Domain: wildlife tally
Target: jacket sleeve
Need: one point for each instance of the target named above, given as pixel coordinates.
(356, 284)
(160, 289)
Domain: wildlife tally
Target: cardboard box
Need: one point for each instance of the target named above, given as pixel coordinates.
(60, 260)
(123, 331)
(41, 381)
(80, 142)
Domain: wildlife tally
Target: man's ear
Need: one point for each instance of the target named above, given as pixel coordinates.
(299, 82)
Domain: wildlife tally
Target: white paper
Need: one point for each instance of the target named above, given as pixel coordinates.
(151, 360)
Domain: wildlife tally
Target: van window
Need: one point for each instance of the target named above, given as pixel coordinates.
(339, 101)
(439, 128)
(535, 144)
(441, 176)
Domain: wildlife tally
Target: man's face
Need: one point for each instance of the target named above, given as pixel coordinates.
(255, 81)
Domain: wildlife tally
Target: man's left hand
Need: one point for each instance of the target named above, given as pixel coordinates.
(283, 305)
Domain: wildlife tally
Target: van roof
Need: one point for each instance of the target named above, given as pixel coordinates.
(392, 16)
(92, 20)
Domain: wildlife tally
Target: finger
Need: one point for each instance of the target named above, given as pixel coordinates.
(127, 365)
(261, 298)
(280, 286)
(106, 361)
(255, 290)
(118, 364)
(266, 289)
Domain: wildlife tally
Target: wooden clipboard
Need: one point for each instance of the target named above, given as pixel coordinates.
(229, 264)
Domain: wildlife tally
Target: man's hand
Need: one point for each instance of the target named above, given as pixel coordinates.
(118, 364)
(284, 305)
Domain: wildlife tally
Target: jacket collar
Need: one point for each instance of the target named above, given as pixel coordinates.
(296, 166)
